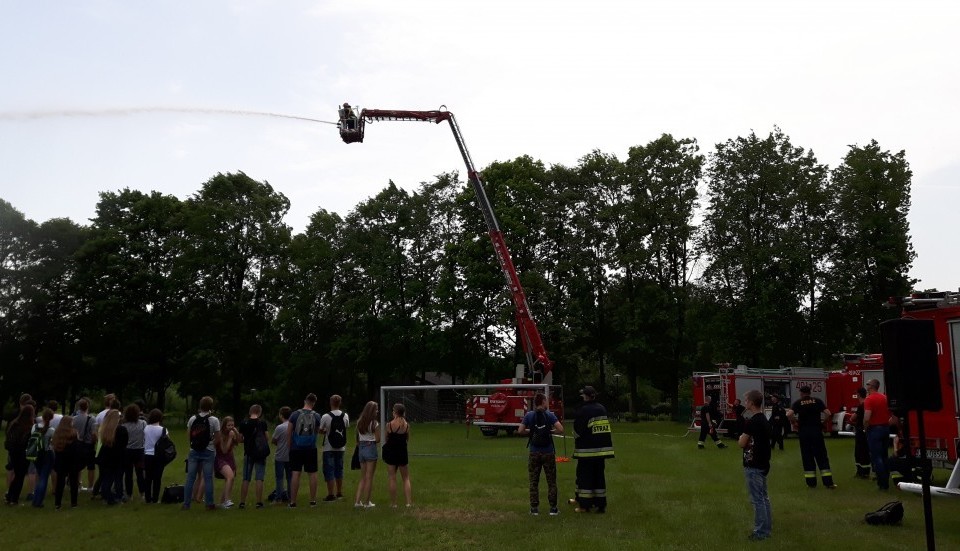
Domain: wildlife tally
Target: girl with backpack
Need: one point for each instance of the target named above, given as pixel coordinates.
(152, 464)
(368, 436)
(67, 460)
(44, 458)
(395, 454)
(18, 432)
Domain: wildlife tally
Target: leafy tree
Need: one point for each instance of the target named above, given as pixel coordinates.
(873, 256)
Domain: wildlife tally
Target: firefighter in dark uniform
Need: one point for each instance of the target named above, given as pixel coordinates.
(809, 413)
(861, 451)
(778, 418)
(709, 419)
(593, 445)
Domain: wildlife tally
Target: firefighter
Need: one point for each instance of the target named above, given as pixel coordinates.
(348, 116)
(861, 452)
(808, 413)
(778, 417)
(708, 421)
(593, 445)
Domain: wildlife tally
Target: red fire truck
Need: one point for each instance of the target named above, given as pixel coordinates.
(842, 387)
(729, 383)
(942, 427)
(505, 407)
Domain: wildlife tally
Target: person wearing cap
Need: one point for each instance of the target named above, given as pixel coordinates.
(876, 423)
(708, 420)
(348, 116)
(809, 413)
(593, 445)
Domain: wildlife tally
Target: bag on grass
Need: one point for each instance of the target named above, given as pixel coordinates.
(889, 514)
(172, 494)
(355, 460)
(165, 449)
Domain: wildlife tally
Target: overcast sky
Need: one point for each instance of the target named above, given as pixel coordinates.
(551, 79)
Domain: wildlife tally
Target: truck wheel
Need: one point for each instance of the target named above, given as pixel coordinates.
(488, 431)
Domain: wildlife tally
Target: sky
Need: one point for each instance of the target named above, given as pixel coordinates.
(101, 95)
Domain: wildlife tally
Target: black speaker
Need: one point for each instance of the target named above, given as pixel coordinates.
(910, 370)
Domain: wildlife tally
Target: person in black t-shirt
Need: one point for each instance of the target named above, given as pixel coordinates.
(256, 448)
(778, 420)
(755, 442)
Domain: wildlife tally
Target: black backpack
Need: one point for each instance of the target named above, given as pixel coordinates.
(889, 514)
(200, 436)
(540, 433)
(261, 448)
(165, 449)
(337, 436)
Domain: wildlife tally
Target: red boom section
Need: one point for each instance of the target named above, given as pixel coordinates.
(537, 359)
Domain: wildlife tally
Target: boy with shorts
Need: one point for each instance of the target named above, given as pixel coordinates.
(253, 429)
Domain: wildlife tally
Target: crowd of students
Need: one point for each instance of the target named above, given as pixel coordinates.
(120, 446)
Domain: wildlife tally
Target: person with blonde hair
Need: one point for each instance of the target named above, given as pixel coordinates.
(368, 436)
(66, 460)
(114, 440)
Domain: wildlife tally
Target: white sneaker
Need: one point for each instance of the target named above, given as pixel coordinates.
(357, 505)
(370, 505)
(227, 504)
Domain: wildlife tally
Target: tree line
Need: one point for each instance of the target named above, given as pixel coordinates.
(639, 272)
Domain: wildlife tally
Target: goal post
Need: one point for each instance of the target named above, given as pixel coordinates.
(492, 407)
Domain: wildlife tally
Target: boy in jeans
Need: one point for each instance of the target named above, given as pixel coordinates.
(755, 442)
(253, 431)
(281, 461)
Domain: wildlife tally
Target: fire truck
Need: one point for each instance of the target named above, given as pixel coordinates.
(942, 427)
(842, 387)
(729, 383)
(505, 408)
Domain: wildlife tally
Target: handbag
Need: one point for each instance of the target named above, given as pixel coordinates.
(355, 460)
(172, 494)
(165, 449)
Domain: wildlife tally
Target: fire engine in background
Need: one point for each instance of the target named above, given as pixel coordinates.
(842, 387)
(729, 383)
(942, 427)
(504, 408)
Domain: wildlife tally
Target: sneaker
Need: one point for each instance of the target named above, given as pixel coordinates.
(292, 505)
(699, 445)
(313, 503)
(721, 445)
(370, 505)
(329, 498)
(243, 505)
(358, 505)
(227, 504)
(259, 505)
(830, 486)
(581, 510)
(572, 501)
(554, 511)
(84, 489)
(534, 511)
(339, 497)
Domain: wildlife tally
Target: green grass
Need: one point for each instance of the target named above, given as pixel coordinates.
(471, 493)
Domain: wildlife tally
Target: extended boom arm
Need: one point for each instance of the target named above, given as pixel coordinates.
(537, 359)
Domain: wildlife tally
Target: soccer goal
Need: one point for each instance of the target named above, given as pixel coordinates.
(492, 408)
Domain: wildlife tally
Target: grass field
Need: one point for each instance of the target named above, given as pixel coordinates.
(471, 493)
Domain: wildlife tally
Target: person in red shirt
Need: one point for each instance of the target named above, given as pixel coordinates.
(876, 417)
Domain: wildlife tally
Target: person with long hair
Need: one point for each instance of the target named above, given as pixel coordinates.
(44, 461)
(67, 460)
(152, 464)
(24, 400)
(395, 454)
(226, 464)
(133, 456)
(368, 436)
(18, 432)
(111, 458)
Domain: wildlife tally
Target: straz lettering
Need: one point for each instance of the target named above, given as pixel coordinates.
(599, 426)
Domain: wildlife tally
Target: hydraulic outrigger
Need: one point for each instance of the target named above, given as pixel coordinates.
(352, 129)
